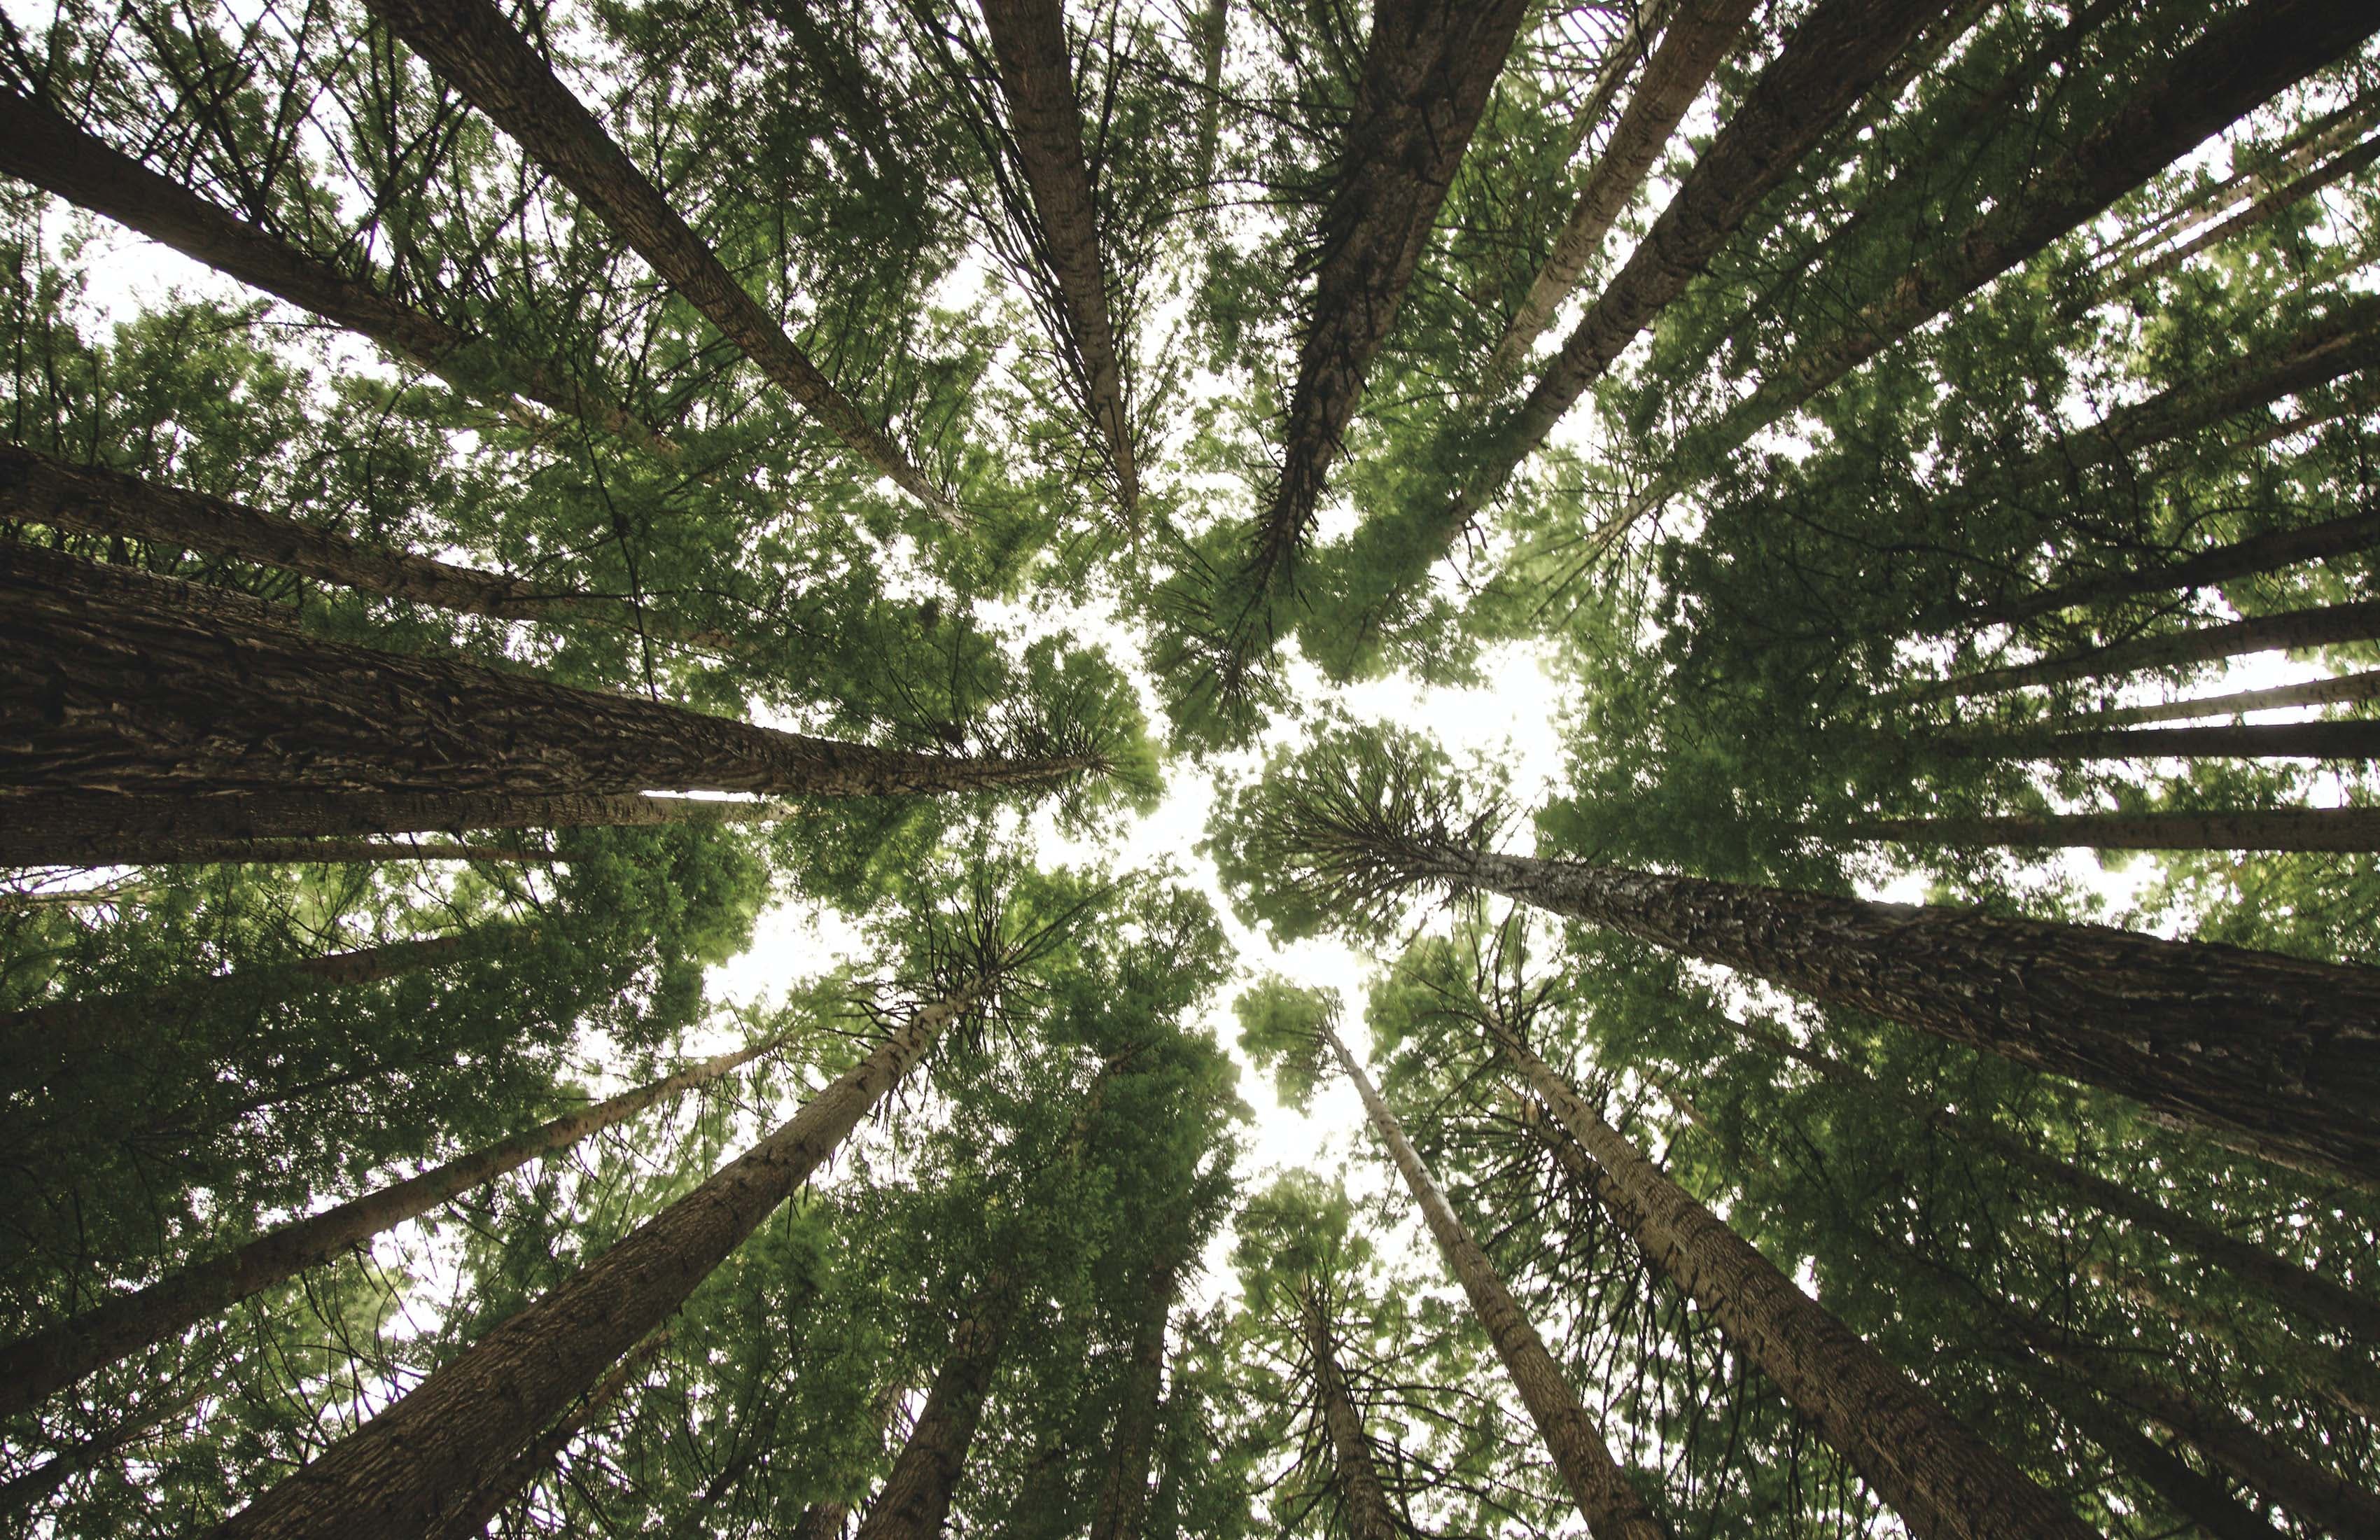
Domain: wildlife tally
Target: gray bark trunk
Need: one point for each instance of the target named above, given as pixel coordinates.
(1364, 1503)
(470, 1522)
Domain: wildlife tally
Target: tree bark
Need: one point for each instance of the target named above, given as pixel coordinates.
(1935, 1473)
(1699, 35)
(2325, 626)
(1214, 28)
(1364, 1504)
(916, 1498)
(1610, 1503)
(475, 49)
(1028, 39)
(40, 146)
(2358, 738)
(2314, 692)
(169, 852)
(2355, 829)
(1123, 1496)
(470, 1522)
(36, 1365)
(2201, 1500)
(2263, 210)
(102, 695)
(2276, 1056)
(403, 1472)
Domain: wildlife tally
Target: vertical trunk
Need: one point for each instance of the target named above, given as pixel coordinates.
(102, 695)
(2274, 1055)
(1611, 1505)
(2284, 829)
(1936, 1475)
(2314, 692)
(1123, 1496)
(2326, 625)
(1698, 37)
(1043, 1498)
(41, 147)
(475, 49)
(2357, 738)
(398, 1474)
(916, 1498)
(2200, 1499)
(1214, 28)
(1364, 1504)
(471, 1520)
(1029, 38)
(48, 1360)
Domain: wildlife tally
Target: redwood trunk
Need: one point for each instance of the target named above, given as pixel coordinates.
(2316, 692)
(400, 1474)
(56, 1356)
(2358, 738)
(2328, 625)
(1920, 1460)
(102, 695)
(2276, 1056)
(30, 1488)
(470, 1522)
(1364, 1504)
(475, 49)
(916, 1498)
(1607, 1500)
(1123, 1496)
(2354, 829)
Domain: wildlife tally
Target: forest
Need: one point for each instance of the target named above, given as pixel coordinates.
(855, 770)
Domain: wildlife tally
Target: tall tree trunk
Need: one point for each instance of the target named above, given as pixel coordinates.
(2278, 828)
(2276, 1056)
(916, 1498)
(1029, 38)
(1214, 31)
(2323, 625)
(43, 148)
(475, 49)
(102, 695)
(2358, 738)
(2260, 211)
(825, 1521)
(1699, 35)
(40, 489)
(2201, 1500)
(1123, 1496)
(2314, 692)
(1364, 1502)
(48, 1360)
(1043, 1497)
(471, 1520)
(2343, 1378)
(399, 1473)
(202, 851)
(1936, 1475)
(1607, 1500)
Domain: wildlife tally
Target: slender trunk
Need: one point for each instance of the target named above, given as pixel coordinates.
(203, 852)
(2314, 692)
(1607, 1500)
(2358, 738)
(2324, 135)
(2201, 1500)
(1214, 27)
(1699, 35)
(43, 148)
(2318, 1299)
(1364, 1502)
(30, 1488)
(2325, 626)
(916, 1498)
(475, 49)
(48, 1360)
(2259, 212)
(2276, 1056)
(102, 695)
(1935, 1473)
(397, 1476)
(200, 603)
(826, 1520)
(471, 1520)
(1123, 1496)
(1029, 38)
(37, 488)
(2356, 829)
(1043, 1498)
(2344, 1379)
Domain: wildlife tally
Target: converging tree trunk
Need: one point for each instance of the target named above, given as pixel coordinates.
(914, 1501)
(2324, 626)
(2354, 829)
(2313, 692)
(2261, 212)
(1611, 1505)
(1124, 1495)
(401, 1472)
(825, 1521)
(471, 1520)
(2345, 1378)
(2191, 1495)
(2358, 738)
(34, 1487)
(1364, 1502)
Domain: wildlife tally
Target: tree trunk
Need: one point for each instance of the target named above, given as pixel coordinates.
(399, 1473)
(46, 491)
(30, 1488)
(100, 694)
(2356, 829)
(43, 148)
(475, 49)
(2324, 626)
(2276, 1056)
(1920, 1460)
(1364, 1503)
(470, 1522)
(1607, 1500)
(2200, 1499)
(916, 1498)
(1214, 28)
(2314, 692)
(2258, 212)
(2358, 738)
(1699, 35)
(202, 851)
(1123, 1496)
(825, 1521)
(48, 1360)
(2320, 1300)
(1029, 38)
(2340, 1377)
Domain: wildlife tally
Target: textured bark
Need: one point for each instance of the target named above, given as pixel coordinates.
(1699, 35)
(472, 1521)
(404, 1471)
(1028, 39)
(2356, 739)
(2313, 692)
(475, 49)
(1364, 1504)
(45, 1361)
(170, 852)
(46, 491)
(2200, 1499)
(2275, 1056)
(2259, 212)
(1612, 1506)
(1123, 1496)
(2282, 828)
(100, 694)
(40, 146)
(1919, 1459)
(2328, 626)
(916, 1498)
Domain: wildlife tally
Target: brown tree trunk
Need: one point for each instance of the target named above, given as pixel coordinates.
(1364, 1502)
(100, 694)
(1123, 1496)
(43, 148)
(916, 1498)
(36, 1365)
(1612, 1506)
(1029, 38)
(399, 1473)
(2276, 1056)
(2258, 212)
(2200, 1499)
(1699, 35)
(2278, 828)
(1920, 1460)
(2358, 738)
(475, 49)
(2326, 625)
(470, 1522)
(826, 1520)
(2316, 692)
